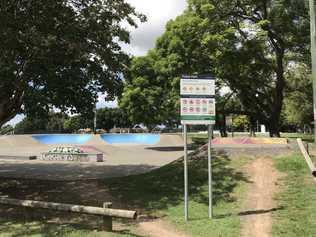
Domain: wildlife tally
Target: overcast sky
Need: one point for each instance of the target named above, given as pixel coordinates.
(158, 13)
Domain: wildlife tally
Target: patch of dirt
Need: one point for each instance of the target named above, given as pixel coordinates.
(158, 228)
(259, 204)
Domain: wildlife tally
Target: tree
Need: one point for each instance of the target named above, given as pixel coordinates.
(60, 54)
(108, 118)
(73, 123)
(30, 125)
(143, 96)
(151, 92)
(248, 45)
(298, 103)
(268, 35)
(241, 123)
(52, 123)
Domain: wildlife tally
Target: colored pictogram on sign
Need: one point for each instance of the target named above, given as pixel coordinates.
(197, 100)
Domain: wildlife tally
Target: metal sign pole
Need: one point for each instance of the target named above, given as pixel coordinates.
(95, 119)
(210, 208)
(197, 99)
(186, 209)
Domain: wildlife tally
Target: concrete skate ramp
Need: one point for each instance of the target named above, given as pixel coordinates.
(131, 138)
(119, 159)
(9, 141)
(248, 141)
(62, 138)
(171, 140)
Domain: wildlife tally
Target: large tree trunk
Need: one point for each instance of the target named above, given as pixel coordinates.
(274, 123)
(7, 111)
(274, 130)
(10, 104)
(222, 126)
(252, 127)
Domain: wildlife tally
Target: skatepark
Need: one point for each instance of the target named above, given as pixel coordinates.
(123, 154)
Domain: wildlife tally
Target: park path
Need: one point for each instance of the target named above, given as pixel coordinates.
(158, 228)
(256, 215)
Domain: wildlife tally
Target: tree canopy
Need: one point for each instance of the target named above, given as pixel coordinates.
(61, 53)
(248, 45)
(298, 102)
(268, 36)
(107, 118)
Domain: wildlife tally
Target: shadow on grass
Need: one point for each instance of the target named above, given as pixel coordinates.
(155, 190)
(250, 212)
(164, 187)
(19, 221)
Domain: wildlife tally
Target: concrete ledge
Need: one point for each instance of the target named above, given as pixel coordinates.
(249, 141)
(75, 157)
(10, 157)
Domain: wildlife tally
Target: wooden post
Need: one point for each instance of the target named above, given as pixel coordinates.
(70, 208)
(107, 220)
(307, 158)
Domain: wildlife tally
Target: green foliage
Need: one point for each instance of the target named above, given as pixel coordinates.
(74, 123)
(248, 45)
(151, 93)
(298, 109)
(254, 59)
(54, 122)
(108, 118)
(241, 123)
(61, 54)
(148, 96)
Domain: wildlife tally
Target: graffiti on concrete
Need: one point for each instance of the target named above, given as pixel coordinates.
(64, 154)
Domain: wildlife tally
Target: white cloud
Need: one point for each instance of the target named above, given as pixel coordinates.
(143, 38)
(102, 103)
(158, 14)
(18, 118)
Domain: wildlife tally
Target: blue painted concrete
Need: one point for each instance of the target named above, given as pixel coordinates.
(62, 138)
(136, 138)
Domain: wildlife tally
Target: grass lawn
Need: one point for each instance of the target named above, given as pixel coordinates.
(39, 229)
(160, 193)
(305, 137)
(27, 226)
(297, 218)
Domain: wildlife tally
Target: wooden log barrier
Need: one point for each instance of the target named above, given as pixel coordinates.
(306, 157)
(106, 212)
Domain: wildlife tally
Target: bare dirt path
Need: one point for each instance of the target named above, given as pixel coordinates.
(158, 228)
(256, 215)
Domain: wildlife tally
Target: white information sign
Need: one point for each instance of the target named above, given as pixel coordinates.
(197, 107)
(197, 87)
(197, 100)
